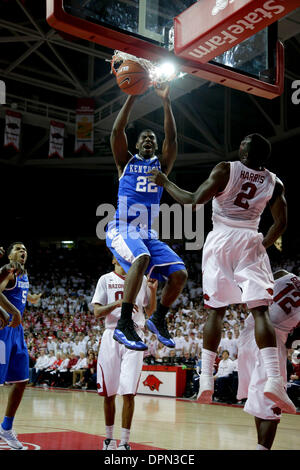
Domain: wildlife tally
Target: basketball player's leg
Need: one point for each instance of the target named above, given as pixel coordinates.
(212, 333)
(219, 290)
(131, 367)
(127, 415)
(266, 432)
(165, 264)
(134, 279)
(255, 278)
(132, 254)
(109, 408)
(17, 373)
(125, 332)
(157, 323)
(108, 379)
(173, 287)
(14, 398)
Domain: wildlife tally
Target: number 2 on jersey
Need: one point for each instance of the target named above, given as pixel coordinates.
(245, 195)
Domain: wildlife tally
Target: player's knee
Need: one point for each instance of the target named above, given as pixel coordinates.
(109, 400)
(179, 277)
(142, 261)
(262, 310)
(128, 398)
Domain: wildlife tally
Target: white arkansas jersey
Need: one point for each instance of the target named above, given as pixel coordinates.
(285, 309)
(245, 197)
(109, 289)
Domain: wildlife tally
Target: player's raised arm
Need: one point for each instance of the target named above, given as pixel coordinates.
(215, 183)
(118, 138)
(278, 208)
(169, 148)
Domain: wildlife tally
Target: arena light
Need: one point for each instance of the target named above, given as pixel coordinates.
(166, 72)
(67, 244)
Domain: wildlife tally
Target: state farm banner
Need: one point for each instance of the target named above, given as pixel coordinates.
(210, 27)
(56, 139)
(84, 137)
(12, 131)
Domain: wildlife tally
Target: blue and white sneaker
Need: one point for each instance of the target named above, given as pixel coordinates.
(128, 336)
(11, 439)
(159, 328)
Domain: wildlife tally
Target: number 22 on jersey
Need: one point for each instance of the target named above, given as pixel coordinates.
(143, 185)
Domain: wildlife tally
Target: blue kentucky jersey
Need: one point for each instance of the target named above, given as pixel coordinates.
(17, 295)
(138, 198)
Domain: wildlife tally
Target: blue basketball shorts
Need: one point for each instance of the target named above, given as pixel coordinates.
(14, 357)
(127, 245)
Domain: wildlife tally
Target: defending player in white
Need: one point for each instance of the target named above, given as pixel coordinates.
(285, 316)
(119, 368)
(235, 264)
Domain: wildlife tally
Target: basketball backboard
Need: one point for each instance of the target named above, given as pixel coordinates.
(145, 28)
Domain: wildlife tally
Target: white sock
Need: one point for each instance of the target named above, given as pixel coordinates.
(109, 430)
(125, 433)
(271, 361)
(207, 362)
(260, 447)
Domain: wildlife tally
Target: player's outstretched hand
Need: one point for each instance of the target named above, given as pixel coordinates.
(162, 90)
(157, 177)
(152, 284)
(34, 298)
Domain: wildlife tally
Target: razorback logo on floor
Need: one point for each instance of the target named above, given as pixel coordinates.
(152, 382)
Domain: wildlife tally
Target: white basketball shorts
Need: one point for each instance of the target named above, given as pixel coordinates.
(236, 268)
(252, 375)
(118, 368)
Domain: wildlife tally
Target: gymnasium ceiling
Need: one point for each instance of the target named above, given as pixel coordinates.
(45, 72)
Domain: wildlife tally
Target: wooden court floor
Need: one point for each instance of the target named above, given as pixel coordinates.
(51, 419)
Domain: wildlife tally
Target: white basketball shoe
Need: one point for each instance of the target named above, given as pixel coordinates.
(109, 444)
(124, 446)
(206, 389)
(10, 438)
(275, 391)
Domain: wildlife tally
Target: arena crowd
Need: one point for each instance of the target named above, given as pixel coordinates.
(63, 336)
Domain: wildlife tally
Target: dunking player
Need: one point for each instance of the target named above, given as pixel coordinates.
(14, 363)
(131, 238)
(235, 264)
(119, 369)
(285, 316)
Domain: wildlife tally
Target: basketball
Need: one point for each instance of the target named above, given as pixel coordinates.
(132, 78)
